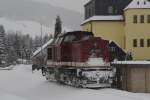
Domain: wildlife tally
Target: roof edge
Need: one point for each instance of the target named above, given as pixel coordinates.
(104, 18)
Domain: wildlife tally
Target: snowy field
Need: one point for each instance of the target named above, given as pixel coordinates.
(21, 84)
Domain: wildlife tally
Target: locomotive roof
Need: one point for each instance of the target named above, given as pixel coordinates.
(43, 47)
(76, 32)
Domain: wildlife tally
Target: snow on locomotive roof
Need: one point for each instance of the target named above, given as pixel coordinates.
(41, 48)
(138, 4)
(104, 18)
(132, 62)
(74, 32)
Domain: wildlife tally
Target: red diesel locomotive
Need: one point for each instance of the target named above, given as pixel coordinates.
(79, 59)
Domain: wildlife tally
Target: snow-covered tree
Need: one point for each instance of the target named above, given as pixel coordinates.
(2, 46)
(11, 54)
(17, 45)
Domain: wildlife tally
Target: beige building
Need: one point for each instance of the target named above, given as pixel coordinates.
(131, 31)
(133, 76)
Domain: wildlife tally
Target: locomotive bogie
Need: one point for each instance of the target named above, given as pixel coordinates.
(82, 77)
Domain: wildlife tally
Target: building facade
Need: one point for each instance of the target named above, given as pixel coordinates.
(128, 25)
(133, 76)
(105, 7)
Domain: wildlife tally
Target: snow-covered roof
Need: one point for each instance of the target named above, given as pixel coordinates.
(138, 4)
(43, 47)
(132, 62)
(104, 18)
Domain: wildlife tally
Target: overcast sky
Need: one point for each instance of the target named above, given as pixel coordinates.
(76, 5)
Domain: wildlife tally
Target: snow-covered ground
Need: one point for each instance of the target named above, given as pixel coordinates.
(21, 84)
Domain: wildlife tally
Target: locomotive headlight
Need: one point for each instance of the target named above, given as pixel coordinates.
(93, 53)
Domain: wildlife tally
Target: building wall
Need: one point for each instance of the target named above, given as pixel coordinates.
(137, 31)
(89, 9)
(135, 78)
(105, 7)
(123, 33)
(148, 80)
(109, 30)
(87, 27)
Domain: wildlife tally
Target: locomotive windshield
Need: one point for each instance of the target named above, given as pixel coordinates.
(70, 38)
(87, 37)
(73, 36)
(77, 36)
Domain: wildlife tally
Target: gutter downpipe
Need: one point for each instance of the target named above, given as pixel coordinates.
(91, 26)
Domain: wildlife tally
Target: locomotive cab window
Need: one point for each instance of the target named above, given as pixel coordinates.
(87, 37)
(69, 38)
(49, 52)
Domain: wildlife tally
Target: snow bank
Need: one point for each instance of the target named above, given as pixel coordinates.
(104, 94)
(132, 62)
(7, 68)
(6, 96)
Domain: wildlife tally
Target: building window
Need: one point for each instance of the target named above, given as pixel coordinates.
(148, 18)
(49, 51)
(112, 49)
(142, 19)
(110, 10)
(90, 12)
(135, 19)
(141, 42)
(148, 42)
(135, 43)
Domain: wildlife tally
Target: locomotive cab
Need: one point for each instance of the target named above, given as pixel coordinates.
(61, 48)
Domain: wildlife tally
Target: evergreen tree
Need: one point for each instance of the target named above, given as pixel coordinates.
(26, 46)
(17, 45)
(58, 26)
(11, 54)
(2, 45)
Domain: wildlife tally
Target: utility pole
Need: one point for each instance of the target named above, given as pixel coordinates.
(42, 43)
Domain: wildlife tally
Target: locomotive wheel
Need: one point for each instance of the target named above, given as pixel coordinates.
(47, 75)
(43, 71)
